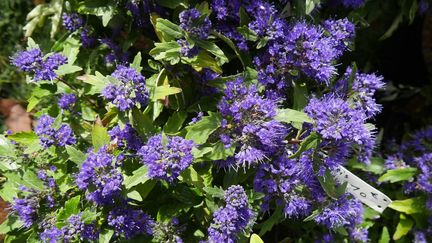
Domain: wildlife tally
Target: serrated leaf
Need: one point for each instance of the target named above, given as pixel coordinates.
(99, 136)
(219, 152)
(97, 81)
(136, 64)
(255, 239)
(175, 122)
(72, 206)
(400, 174)
(89, 217)
(201, 130)
(385, 236)
(12, 222)
(7, 149)
(409, 206)
(67, 69)
(214, 192)
(160, 92)
(140, 175)
(99, 8)
(75, 155)
(404, 226)
(106, 235)
(213, 49)
(135, 196)
(170, 30)
(290, 115)
(25, 138)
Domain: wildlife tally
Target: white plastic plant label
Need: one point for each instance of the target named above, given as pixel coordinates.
(362, 190)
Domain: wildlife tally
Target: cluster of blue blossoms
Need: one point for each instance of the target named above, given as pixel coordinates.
(33, 62)
(233, 218)
(51, 135)
(130, 90)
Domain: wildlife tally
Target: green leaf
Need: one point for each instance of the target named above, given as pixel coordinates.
(385, 236)
(214, 192)
(72, 206)
(75, 155)
(313, 215)
(276, 217)
(404, 226)
(97, 81)
(99, 136)
(137, 62)
(170, 30)
(255, 239)
(213, 49)
(12, 222)
(191, 177)
(376, 166)
(300, 96)
(309, 142)
(201, 130)
(161, 92)
(167, 51)
(25, 138)
(175, 122)
(310, 6)
(248, 33)
(106, 235)
(89, 217)
(330, 186)
(99, 8)
(290, 115)
(409, 206)
(204, 60)
(135, 196)
(400, 174)
(219, 152)
(140, 175)
(67, 69)
(7, 149)
(142, 122)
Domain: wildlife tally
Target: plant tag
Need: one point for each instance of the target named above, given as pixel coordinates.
(362, 190)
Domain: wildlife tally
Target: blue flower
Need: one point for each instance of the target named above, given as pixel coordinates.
(131, 90)
(67, 101)
(48, 135)
(126, 137)
(191, 22)
(72, 21)
(28, 61)
(129, 222)
(100, 178)
(166, 157)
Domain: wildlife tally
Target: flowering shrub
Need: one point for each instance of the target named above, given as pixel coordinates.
(203, 121)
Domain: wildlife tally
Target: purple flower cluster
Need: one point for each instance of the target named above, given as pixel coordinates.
(49, 135)
(341, 212)
(338, 122)
(364, 86)
(67, 101)
(72, 21)
(232, 219)
(350, 3)
(27, 208)
(78, 230)
(341, 32)
(186, 49)
(289, 182)
(248, 123)
(127, 137)
(51, 234)
(303, 48)
(194, 23)
(31, 61)
(129, 222)
(100, 178)
(166, 157)
(130, 90)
